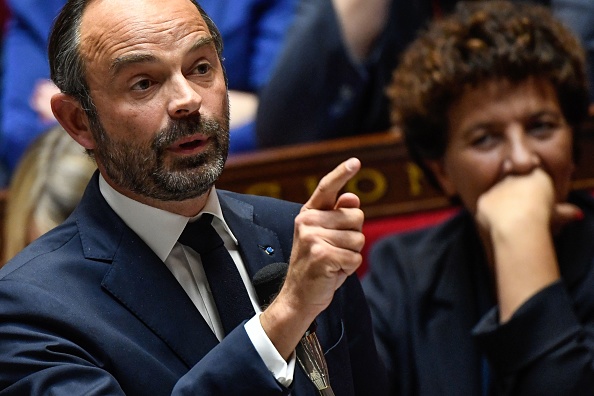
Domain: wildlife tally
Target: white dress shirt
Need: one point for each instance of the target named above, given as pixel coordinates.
(160, 230)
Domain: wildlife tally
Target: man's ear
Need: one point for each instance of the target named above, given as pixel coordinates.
(73, 119)
(438, 168)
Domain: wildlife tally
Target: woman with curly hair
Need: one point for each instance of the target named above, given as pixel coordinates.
(498, 299)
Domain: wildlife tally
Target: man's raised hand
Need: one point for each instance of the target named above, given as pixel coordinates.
(326, 249)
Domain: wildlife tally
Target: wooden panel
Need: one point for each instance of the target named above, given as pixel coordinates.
(388, 183)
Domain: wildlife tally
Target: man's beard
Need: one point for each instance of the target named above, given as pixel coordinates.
(142, 169)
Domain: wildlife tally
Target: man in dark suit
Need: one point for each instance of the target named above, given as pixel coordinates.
(110, 302)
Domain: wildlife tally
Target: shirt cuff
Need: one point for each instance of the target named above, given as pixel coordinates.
(282, 370)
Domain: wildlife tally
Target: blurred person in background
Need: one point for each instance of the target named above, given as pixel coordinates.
(499, 299)
(47, 185)
(578, 15)
(25, 78)
(3, 22)
(335, 87)
(254, 34)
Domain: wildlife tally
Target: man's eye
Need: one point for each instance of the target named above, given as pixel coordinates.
(142, 85)
(203, 68)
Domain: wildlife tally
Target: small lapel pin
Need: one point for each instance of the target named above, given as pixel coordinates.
(269, 250)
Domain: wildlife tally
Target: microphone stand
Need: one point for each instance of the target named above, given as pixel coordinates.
(311, 358)
(268, 281)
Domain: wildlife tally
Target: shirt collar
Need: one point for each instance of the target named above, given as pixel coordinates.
(158, 228)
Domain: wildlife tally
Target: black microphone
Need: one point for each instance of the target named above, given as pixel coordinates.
(268, 282)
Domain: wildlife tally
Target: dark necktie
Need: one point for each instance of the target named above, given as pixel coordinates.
(230, 295)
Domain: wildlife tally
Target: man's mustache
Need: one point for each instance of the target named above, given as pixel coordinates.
(178, 129)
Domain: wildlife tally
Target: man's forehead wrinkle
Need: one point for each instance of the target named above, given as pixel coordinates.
(112, 37)
(132, 34)
(96, 42)
(114, 44)
(133, 18)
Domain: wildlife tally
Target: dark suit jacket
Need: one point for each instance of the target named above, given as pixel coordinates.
(317, 92)
(90, 309)
(431, 299)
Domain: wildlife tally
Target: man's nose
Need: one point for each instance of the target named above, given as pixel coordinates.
(184, 99)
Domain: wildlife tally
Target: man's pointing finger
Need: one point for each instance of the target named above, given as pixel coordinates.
(325, 195)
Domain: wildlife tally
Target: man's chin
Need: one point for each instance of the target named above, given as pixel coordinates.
(184, 185)
(187, 163)
(180, 195)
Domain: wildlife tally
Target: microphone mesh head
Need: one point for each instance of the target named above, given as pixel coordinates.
(268, 281)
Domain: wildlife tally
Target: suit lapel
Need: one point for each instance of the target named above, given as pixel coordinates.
(449, 359)
(140, 281)
(259, 246)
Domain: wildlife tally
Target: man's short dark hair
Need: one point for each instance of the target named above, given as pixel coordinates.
(67, 66)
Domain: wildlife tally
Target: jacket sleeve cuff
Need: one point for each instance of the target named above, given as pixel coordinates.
(540, 325)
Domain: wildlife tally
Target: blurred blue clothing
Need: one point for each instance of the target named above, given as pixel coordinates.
(3, 20)
(253, 32)
(24, 63)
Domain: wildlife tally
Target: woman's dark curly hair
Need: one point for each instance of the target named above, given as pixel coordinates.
(479, 42)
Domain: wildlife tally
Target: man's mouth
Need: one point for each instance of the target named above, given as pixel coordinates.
(189, 145)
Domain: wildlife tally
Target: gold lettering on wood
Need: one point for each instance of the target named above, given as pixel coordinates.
(369, 184)
(415, 178)
(267, 189)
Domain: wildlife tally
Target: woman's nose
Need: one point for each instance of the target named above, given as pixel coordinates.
(521, 158)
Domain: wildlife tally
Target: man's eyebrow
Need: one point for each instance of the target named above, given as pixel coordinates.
(201, 42)
(125, 60)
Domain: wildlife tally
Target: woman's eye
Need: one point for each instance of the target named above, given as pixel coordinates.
(484, 141)
(142, 85)
(542, 128)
